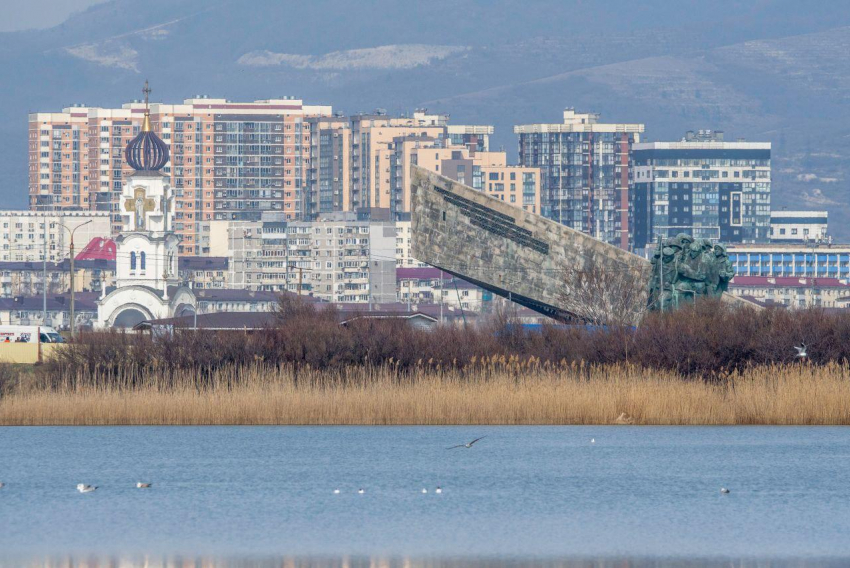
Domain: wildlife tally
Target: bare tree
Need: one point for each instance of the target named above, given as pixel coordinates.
(602, 291)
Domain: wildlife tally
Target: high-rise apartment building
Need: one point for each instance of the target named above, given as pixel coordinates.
(585, 166)
(229, 160)
(483, 170)
(703, 186)
(372, 150)
(328, 177)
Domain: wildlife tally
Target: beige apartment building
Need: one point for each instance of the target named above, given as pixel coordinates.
(372, 149)
(229, 160)
(482, 170)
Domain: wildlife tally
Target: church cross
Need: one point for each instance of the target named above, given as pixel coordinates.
(146, 91)
(140, 205)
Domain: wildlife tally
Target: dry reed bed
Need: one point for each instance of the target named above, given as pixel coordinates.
(487, 394)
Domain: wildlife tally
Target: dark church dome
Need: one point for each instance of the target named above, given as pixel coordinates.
(146, 152)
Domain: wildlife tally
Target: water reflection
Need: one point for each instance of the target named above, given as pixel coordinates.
(401, 562)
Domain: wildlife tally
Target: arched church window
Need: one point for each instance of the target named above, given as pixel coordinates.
(143, 260)
(133, 260)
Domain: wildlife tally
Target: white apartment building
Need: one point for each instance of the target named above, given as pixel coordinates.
(798, 226)
(26, 236)
(336, 258)
(402, 247)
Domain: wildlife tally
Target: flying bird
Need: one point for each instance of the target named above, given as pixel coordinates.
(468, 445)
(83, 488)
(801, 351)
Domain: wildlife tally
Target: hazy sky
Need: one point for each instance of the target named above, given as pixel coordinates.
(29, 14)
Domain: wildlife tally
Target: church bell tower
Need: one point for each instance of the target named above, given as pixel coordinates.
(147, 246)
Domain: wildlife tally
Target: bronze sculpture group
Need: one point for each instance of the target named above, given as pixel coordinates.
(685, 268)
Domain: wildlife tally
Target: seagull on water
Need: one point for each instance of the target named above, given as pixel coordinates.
(2, 484)
(84, 488)
(361, 491)
(336, 491)
(724, 490)
(438, 489)
(801, 351)
(467, 445)
(593, 440)
(141, 485)
(424, 490)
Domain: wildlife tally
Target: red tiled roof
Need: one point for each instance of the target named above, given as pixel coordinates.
(98, 249)
(787, 282)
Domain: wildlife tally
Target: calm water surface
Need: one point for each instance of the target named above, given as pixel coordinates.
(644, 494)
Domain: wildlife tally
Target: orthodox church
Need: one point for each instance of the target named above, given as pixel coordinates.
(146, 276)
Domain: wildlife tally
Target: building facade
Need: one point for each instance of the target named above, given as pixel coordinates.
(794, 293)
(585, 172)
(774, 260)
(336, 258)
(485, 171)
(798, 226)
(703, 186)
(32, 236)
(228, 160)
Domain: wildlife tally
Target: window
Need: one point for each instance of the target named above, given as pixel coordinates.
(142, 260)
(133, 260)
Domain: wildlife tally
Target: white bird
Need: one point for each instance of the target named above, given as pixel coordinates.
(593, 440)
(361, 491)
(438, 489)
(141, 485)
(424, 490)
(467, 445)
(83, 488)
(724, 490)
(336, 491)
(801, 351)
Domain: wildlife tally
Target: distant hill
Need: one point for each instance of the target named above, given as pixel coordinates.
(770, 70)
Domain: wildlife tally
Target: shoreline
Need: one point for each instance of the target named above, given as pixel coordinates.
(491, 395)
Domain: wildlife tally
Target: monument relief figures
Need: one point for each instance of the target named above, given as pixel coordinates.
(685, 268)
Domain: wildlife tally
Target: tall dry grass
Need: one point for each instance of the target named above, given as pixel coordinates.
(500, 392)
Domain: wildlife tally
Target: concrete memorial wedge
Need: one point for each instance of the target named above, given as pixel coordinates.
(534, 261)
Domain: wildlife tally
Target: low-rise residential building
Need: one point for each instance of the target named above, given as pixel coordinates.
(204, 271)
(30, 310)
(212, 301)
(798, 226)
(793, 292)
(27, 278)
(433, 286)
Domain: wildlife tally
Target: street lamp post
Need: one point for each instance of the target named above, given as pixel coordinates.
(71, 249)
